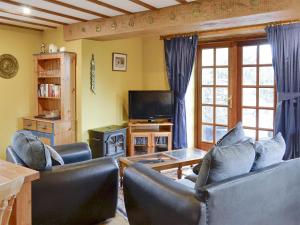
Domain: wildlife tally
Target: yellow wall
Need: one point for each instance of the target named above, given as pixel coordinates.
(16, 94)
(109, 105)
(146, 70)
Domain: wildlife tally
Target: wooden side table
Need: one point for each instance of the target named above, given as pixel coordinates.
(22, 213)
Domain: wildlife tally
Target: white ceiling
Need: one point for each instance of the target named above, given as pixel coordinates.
(11, 11)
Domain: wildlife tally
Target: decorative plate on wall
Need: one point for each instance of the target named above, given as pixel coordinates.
(9, 66)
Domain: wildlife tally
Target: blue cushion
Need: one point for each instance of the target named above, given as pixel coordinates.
(269, 152)
(234, 136)
(227, 161)
(31, 151)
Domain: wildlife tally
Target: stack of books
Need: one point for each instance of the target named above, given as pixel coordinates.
(49, 90)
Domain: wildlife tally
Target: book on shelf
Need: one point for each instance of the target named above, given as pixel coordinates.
(49, 90)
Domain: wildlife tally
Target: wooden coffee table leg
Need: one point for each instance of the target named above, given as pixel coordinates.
(179, 172)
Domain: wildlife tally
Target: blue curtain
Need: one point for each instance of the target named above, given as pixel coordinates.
(180, 56)
(285, 42)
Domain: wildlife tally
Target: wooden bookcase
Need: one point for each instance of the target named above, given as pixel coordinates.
(146, 138)
(55, 120)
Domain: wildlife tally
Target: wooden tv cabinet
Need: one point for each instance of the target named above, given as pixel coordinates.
(146, 138)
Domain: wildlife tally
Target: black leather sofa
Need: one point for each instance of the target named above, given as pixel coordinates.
(267, 197)
(81, 192)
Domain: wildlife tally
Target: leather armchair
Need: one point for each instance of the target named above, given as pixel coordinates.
(83, 191)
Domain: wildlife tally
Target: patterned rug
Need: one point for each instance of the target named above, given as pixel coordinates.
(121, 216)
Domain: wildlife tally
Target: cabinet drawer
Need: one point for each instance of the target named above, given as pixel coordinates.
(45, 127)
(29, 124)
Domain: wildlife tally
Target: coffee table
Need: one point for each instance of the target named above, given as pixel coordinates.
(165, 160)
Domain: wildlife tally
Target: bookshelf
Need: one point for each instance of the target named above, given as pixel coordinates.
(55, 120)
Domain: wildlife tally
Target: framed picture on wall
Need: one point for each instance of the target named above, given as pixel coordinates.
(119, 62)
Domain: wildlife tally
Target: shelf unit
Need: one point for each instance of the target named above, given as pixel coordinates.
(146, 138)
(56, 93)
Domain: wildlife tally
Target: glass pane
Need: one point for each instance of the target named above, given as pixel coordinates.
(207, 76)
(207, 57)
(207, 114)
(249, 75)
(262, 134)
(249, 97)
(222, 56)
(222, 96)
(207, 133)
(266, 75)
(207, 95)
(266, 118)
(249, 117)
(222, 76)
(220, 132)
(250, 55)
(222, 115)
(266, 97)
(265, 54)
(250, 133)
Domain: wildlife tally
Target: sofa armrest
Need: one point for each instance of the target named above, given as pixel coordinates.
(72, 153)
(151, 198)
(79, 193)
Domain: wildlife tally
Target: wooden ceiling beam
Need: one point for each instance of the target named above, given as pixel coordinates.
(192, 17)
(77, 8)
(141, 3)
(98, 2)
(43, 10)
(26, 22)
(182, 1)
(18, 26)
(33, 17)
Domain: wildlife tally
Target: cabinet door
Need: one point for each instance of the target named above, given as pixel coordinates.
(140, 144)
(161, 141)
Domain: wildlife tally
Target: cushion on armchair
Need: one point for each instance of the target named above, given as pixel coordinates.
(31, 150)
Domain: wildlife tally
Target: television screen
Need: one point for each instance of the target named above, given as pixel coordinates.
(150, 104)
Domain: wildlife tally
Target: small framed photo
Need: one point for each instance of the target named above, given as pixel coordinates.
(119, 62)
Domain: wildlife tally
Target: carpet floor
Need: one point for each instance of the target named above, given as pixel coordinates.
(121, 217)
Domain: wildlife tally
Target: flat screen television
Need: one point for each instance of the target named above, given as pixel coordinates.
(150, 105)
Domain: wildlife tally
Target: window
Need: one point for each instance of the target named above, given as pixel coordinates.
(258, 92)
(235, 82)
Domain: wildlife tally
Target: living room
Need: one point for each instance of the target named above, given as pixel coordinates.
(214, 60)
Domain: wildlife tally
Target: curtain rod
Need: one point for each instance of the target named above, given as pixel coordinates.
(287, 22)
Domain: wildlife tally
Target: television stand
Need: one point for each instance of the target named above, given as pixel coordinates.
(149, 137)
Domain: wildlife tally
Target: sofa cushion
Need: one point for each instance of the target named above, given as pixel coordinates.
(56, 158)
(234, 136)
(269, 152)
(224, 162)
(31, 151)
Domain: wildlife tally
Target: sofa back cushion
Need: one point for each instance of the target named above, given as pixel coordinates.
(234, 136)
(31, 151)
(269, 152)
(225, 162)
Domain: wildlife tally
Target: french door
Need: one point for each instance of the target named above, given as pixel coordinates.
(215, 87)
(235, 82)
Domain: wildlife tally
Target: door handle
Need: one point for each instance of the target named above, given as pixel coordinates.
(230, 101)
